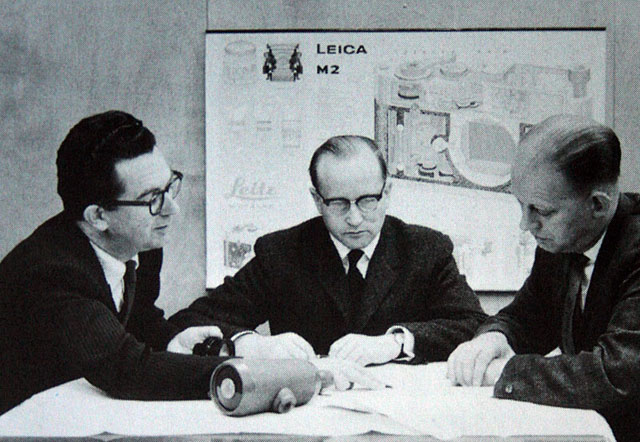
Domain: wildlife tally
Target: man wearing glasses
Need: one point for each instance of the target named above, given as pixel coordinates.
(77, 296)
(353, 283)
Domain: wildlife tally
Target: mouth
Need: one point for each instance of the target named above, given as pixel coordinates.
(358, 233)
(162, 228)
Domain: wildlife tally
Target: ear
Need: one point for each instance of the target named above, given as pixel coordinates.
(600, 203)
(317, 199)
(96, 217)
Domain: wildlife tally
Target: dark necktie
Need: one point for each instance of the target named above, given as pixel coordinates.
(578, 263)
(356, 283)
(129, 290)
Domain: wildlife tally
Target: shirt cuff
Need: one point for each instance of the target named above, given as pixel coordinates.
(242, 333)
(409, 343)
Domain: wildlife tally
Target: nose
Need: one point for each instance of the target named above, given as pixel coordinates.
(529, 221)
(170, 206)
(354, 216)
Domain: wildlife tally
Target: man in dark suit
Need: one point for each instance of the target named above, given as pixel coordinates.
(77, 296)
(354, 283)
(583, 293)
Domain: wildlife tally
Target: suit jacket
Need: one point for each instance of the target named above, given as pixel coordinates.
(297, 282)
(600, 369)
(59, 323)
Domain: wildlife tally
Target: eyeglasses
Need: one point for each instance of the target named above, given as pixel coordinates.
(156, 202)
(340, 206)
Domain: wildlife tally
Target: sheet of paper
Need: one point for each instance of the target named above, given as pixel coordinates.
(423, 400)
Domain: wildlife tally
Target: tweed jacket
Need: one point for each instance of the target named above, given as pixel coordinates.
(599, 369)
(297, 282)
(59, 323)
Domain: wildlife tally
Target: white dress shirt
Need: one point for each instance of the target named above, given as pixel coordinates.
(114, 271)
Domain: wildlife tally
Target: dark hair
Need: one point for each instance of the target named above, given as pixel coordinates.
(342, 146)
(585, 151)
(88, 155)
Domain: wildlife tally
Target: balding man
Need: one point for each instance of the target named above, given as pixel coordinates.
(583, 293)
(353, 283)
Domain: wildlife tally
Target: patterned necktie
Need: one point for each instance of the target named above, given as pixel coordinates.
(129, 290)
(578, 263)
(356, 283)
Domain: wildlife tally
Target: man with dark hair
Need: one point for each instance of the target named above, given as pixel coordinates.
(583, 293)
(77, 296)
(353, 283)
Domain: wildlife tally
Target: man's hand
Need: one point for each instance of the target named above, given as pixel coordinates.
(365, 350)
(479, 361)
(184, 341)
(346, 374)
(282, 346)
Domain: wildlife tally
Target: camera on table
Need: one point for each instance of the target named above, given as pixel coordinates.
(213, 346)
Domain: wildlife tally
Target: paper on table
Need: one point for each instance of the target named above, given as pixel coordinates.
(79, 409)
(421, 401)
(424, 400)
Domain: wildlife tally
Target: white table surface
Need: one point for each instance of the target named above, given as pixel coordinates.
(422, 401)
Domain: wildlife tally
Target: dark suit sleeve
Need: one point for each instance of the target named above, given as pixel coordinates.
(532, 322)
(600, 379)
(237, 305)
(453, 312)
(83, 338)
(75, 335)
(603, 378)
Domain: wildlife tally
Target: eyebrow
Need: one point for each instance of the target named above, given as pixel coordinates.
(149, 192)
(154, 189)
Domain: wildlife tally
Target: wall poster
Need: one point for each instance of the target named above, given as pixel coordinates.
(447, 108)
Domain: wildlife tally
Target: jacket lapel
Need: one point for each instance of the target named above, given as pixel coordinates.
(599, 302)
(322, 259)
(381, 274)
(86, 258)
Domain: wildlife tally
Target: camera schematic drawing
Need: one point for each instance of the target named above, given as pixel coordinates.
(442, 122)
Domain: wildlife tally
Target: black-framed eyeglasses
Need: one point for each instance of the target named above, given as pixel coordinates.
(156, 203)
(365, 203)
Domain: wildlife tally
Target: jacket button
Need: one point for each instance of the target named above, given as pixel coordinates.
(508, 389)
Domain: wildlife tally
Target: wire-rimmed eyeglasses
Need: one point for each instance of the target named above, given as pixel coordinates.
(156, 203)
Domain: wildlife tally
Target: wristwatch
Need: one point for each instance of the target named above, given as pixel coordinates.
(399, 337)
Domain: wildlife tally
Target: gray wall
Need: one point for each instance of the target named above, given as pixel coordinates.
(66, 59)
(62, 60)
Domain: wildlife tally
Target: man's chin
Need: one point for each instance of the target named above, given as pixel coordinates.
(548, 246)
(356, 241)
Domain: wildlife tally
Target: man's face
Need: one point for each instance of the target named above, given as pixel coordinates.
(350, 178)
(133, 229)
(560, 220)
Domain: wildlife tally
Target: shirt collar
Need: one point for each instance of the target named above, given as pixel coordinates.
(343, 250)
(113, 268)
(592, 253)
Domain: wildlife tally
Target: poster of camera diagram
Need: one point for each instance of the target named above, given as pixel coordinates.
(447, 108)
